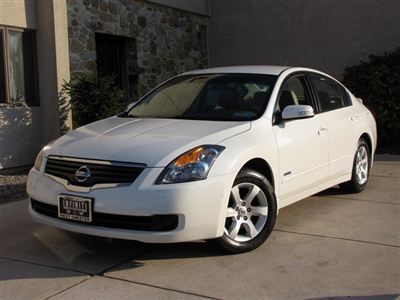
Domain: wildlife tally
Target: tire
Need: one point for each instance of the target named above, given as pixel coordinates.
(251, 213)
(361, 167)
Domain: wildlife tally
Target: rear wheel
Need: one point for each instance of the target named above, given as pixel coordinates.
(250, 215)
(361, 166)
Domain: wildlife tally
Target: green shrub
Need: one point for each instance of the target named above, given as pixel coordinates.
(377, 82)
(93, 98)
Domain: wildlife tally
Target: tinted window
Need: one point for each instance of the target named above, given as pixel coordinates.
(346, 96)
(329, 94)
(230, 97)
(294, 92)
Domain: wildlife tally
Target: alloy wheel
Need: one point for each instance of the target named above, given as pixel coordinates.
(247, 212)
(362, 165)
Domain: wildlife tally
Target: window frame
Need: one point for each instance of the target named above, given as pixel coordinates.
(342, 91)
(5, 67)
(32, 102)
(276, 120)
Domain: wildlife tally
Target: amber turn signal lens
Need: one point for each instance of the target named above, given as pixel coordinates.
(191, 166)
(189, 157)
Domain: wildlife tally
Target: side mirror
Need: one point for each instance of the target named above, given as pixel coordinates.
(291, 112)
(132, 104)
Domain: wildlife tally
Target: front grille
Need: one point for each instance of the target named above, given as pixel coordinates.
(150, 223)
(100, 172)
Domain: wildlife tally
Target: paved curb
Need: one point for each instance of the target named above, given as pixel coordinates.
(387, 157)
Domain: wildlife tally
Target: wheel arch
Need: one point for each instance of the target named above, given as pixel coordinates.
(261, 166)
(368, 139)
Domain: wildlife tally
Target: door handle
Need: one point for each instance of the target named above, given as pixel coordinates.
(322, 130)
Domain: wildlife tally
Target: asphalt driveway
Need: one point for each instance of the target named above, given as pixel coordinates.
(328, 245)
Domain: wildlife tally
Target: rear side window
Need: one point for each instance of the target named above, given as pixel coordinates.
(330, 95)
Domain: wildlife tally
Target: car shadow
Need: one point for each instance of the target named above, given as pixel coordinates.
(333, 191)
(25, 244)
(90, 255)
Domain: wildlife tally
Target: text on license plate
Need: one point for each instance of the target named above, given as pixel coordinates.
(75, 208)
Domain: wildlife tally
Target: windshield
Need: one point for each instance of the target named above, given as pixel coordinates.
(220, 97)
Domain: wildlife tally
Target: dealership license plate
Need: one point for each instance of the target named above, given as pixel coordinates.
(75, 208)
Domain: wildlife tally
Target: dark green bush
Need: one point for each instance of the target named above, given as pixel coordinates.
(377, 82)
(93, 98)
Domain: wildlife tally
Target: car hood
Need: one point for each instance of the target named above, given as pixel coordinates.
(154, 142)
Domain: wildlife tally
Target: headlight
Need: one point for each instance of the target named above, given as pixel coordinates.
(191, 166)
(39, 160)
(40, 156)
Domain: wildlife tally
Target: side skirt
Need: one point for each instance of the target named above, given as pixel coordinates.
(313, 190)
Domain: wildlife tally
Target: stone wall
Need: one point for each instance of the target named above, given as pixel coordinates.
(168, 41)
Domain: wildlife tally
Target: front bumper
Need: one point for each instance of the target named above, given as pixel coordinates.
(200, 206)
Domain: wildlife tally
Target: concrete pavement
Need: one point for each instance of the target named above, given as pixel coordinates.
(328, 245)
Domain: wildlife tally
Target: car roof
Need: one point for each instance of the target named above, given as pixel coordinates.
(270, 70)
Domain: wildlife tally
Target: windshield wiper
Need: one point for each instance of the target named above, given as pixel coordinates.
(123, 115)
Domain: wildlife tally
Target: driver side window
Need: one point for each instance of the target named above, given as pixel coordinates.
(294, 92)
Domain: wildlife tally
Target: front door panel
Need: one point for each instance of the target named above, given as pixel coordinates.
(303, 154)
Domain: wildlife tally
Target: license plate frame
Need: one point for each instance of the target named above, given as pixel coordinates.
(75, 208)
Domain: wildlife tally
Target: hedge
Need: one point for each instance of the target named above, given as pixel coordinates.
(377, 82)
(93, 98)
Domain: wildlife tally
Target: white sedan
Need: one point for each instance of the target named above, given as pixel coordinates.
(207, 155)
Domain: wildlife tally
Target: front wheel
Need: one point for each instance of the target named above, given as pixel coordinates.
(250, 215)
(361, 166)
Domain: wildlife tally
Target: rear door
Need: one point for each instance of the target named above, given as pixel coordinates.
(303, 143)
(337, 113)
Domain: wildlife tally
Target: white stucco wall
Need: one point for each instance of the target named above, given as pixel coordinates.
(19, 13)
(20, 135)
(24, 130)
(20, 127)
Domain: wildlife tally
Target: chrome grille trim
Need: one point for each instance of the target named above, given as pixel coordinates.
(104, 174)
(96, 161)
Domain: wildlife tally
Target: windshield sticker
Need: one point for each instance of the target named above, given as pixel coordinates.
(243, 114)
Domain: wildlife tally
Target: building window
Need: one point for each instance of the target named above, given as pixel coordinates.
(117, 57)
(18, 76)
(111, 58)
